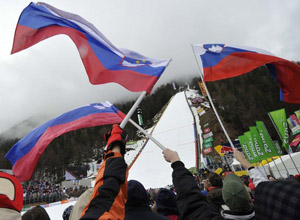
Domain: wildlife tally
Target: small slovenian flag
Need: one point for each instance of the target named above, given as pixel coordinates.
(103, 62)
(25, 154)
(222, 61)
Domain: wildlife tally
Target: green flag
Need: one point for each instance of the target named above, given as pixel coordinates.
(251, 147)
(269, 149)
(279, 119)
(277, 147)
(297, 113)
(258, 144)
(245, 148)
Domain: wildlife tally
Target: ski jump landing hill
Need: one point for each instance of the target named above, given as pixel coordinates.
(175, 130)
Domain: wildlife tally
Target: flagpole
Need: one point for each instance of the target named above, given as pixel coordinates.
(132, 110)
(147, 135)
(276, 167)
(212, 104)
(282, 142)
(275, 149)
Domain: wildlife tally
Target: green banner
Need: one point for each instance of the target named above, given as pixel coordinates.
(251, 147)
(207, 140)
(279, 119)
(207, 145)
(297, 113)
(277, 147)
(269, 149)
(258, 144)
(244, 143)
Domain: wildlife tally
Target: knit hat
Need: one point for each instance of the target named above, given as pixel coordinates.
(235, 194)
(166, 202)
(136, 194)
(11, 192)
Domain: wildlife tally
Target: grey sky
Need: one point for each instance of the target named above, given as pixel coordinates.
(49, 78)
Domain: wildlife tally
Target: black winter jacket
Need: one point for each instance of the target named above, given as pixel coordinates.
(191, 202)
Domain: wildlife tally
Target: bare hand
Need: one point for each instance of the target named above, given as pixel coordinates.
(240, 157)
(170, 156)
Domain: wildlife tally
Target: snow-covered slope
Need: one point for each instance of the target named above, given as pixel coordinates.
(175, 130)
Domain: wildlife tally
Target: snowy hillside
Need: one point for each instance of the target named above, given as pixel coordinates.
(174, 130)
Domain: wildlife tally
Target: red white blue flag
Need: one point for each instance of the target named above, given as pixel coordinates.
(25, 154)
(221, 61)
(103, 62)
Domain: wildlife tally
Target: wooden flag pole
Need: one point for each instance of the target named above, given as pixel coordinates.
(132, 110)
(211, 102)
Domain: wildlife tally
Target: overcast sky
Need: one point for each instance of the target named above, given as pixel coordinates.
(49, 78)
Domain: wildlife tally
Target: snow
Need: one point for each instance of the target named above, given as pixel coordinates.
(56, 209)
(174, 130)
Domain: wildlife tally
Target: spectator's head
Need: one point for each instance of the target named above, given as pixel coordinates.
(153, 193)
(245, 180)
(297, 177)
(137, 195)
(235, 194)
(271, 178)
(166, 202)
(11, 197)
(215, 180)
(67, 212)
(36, 213)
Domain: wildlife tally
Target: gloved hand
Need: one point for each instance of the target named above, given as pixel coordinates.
(116, 137)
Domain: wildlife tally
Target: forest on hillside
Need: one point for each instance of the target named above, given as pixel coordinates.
(240, 102)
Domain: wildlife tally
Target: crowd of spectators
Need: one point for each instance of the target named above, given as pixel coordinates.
(39, 191)
(229, 197)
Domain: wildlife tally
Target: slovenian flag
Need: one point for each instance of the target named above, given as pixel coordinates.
(221, 61)
(25, 154)
(103, 62)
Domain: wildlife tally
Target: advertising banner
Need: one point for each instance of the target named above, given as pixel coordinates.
(203, 90)
(207, 150)
(222, 150)
(207, 140)
(206, 130)
(207, 145)
(202, 113)
(210, 134)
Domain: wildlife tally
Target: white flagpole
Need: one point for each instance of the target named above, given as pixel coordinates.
(132, 110)
(147, 135)
(282, 142)
(211, 102)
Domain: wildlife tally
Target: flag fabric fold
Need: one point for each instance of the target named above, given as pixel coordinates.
(266, 139)
(245, 148)
(103, 61)
(222, 61)
(279, 120)
(25, 154)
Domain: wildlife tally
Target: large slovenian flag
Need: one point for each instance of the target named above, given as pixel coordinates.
(221, 61)
(25, 154)
(103, 62)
